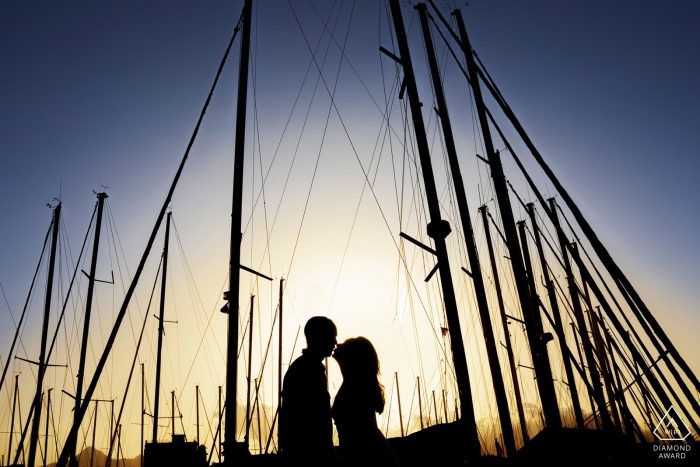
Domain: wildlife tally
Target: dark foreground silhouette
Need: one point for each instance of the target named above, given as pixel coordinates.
(359, 399)
(306, 430)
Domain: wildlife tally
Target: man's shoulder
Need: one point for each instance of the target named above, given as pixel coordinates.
(301, 366)
(304, 371)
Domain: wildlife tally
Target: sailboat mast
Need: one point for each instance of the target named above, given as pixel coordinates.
(475, 274)
(534, 320)
(545, 385)
(172, 413)
(143, 409)
(279, 363)
(44, 334)
(197, 420)
(86, 323)
(599, 348)
(581, 323)
(12, 421)
(248, 415)
(438, 229)
(94, 431)
(160, 328)
(437, 418)
(119, 443)
(559, 327)
(420, 403)
(504, 321)
(398, 398)
(235, 246)
(46, 428)
(220, 418)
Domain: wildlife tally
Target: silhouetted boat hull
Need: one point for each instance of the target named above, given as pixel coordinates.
(177, 453)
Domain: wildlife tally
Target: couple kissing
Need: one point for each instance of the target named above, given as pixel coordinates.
(306, 416)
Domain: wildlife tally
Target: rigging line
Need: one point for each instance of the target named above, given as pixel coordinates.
(194, 359)
(177, 328)
(133, 363)
(308, 111)
(345, 57)
(194, 284)
(189, 280)
(330, 108)
(91, 388)
(359, 203)
(296, 100)
(262, 188)
(24, 310)
(342, 122)
(386, 107)
(211, 432)
(625, 287)
(333, 105)
(70, 287)
(167, 339)
(578, 240)
(476, 130)
(113, 230)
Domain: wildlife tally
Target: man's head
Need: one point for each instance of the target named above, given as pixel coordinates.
(320, 335)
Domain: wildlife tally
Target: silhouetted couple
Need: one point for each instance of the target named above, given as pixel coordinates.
(306, 430)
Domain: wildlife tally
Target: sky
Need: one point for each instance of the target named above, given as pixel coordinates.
(96, 95)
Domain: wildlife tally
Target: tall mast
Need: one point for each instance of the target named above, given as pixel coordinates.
(581, 323)
(599, 348)
(248, 415)
(235, 250)
(257, 406)
(111, 420)
(119, 442)
(94, 431)
(534, 320)
(279, 363)
(44, 334)
(24, 310)
(475, 274)
(46, 428)
(545, 384)
(12, 422)
(558, 325)
(583, 376)
(197, 421)
(143, 409)
(504, 322)
(220, 417)
(437, 418)
(86, 324)
(420, 403)
(607, 340)
(65, 452)
(438, 229)
(172, 413)
(160, 328)
(398, 398)
(444, 405)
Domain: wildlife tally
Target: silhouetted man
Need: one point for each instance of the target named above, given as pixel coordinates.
(306, 429)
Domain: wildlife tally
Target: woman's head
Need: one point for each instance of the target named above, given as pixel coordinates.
(359, 364)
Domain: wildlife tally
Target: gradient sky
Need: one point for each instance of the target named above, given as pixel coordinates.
(98, 94)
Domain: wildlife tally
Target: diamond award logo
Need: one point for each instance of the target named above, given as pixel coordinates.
(671, 427)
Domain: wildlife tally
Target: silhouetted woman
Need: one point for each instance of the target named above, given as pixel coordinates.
(359, 399)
